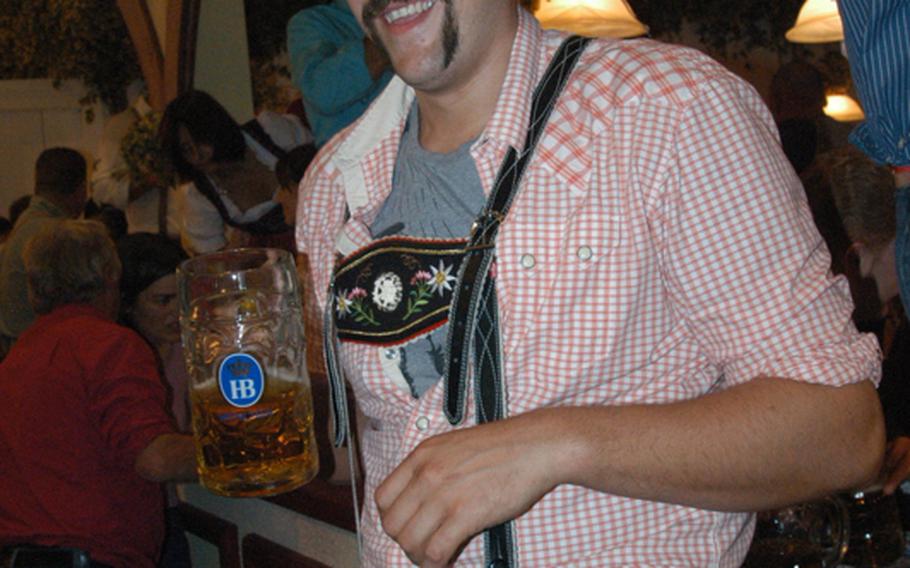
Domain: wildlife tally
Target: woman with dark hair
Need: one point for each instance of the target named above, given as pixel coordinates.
(231, 201)
(148, 304)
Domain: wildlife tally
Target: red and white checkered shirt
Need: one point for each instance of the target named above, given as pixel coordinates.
(660, 248)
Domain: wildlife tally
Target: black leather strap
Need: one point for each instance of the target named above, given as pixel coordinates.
(474, 317)
(481, 246)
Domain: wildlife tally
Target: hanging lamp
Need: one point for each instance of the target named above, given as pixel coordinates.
(818, 22)
(592, 18)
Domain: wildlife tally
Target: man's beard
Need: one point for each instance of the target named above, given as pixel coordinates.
(374, 8)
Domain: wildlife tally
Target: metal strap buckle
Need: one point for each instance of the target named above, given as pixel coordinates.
(483, 231)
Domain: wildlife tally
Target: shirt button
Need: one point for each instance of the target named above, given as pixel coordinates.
(422, 423)
(584, 252)
(528, 261)
(391, 354)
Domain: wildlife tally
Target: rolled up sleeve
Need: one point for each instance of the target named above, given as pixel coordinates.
(742, 261)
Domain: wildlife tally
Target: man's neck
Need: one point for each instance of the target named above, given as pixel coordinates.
(451, 118)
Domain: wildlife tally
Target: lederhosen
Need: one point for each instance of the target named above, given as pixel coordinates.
(399, 288)
(272, 223)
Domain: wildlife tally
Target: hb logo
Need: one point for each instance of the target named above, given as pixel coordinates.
(241, 380)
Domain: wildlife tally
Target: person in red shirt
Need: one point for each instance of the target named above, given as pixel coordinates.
(85, 440)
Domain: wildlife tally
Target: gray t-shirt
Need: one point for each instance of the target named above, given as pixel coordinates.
(433, 196)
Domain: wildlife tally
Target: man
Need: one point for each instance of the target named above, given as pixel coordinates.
(85, 439)
(337, 70)
(60, 177)
(877, 40)
(673, 352)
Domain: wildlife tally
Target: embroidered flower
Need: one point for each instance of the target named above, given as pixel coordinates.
(420, 294)
(387, 291)
(420, 276)
(351, 303)
(342, 304)
(442, 279)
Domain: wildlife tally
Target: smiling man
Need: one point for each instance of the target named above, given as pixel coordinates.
(661, 348)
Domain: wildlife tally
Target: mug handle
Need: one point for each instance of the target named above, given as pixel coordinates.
(839, 522)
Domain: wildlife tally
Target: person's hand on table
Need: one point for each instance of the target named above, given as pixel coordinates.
(455, 485)
(897, 463)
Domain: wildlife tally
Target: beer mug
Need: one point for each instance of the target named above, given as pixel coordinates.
(876, 534)
(808, 535)
(242, 328)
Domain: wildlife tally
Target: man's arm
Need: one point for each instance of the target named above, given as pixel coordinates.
(320, 52)
(758, 445)
(169, 457)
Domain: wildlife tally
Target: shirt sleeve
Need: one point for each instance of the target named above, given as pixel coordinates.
(320, 52)
(742, 262)
(877, 37)
(126, 393)
(110, 179)
(201, 229)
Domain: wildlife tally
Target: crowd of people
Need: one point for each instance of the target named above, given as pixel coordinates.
(575, 286)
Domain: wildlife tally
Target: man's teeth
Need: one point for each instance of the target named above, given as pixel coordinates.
(407, 11)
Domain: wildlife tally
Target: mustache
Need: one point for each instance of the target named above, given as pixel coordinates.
(373, 8)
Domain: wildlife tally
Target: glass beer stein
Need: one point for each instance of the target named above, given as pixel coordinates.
(808, 535)
(876, 535)
(242, 328)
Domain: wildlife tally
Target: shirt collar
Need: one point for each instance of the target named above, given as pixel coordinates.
(387, 115)
(41, 203)
(509, 121)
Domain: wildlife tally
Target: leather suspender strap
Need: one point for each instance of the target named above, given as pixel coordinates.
(474, 314)
(481, 246)
(258, 133)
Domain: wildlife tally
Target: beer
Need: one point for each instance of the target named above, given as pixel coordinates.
(243, 339)
(264, 449)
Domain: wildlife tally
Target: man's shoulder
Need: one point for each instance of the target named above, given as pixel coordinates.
(631, 71)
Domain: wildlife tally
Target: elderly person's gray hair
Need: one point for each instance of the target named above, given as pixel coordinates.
(70, 262)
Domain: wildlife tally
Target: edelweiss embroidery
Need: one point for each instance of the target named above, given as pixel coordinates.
(396, 289)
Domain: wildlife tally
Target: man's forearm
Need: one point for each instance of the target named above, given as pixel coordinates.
(169, 457)
(759, 445)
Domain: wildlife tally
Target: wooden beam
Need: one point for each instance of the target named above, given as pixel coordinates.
(148, 49)
(180, 51)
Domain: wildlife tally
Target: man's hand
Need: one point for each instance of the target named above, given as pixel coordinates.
(455, 485)
(897, 463)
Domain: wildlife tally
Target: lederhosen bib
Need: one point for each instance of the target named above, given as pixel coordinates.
(401, 288)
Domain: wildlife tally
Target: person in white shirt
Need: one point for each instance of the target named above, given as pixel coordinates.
(231, 201)
(148, 209)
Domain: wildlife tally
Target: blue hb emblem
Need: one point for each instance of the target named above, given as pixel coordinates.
(241, 380)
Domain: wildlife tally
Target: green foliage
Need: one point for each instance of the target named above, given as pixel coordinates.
(69, 39)
(146, 164)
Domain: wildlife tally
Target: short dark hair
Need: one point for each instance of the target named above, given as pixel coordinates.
(5, 226)
(111, 217)
(145, 257)
(61, 171)
(207, 122)
(17, 207)
(289, 169)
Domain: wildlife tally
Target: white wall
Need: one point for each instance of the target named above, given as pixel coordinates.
(222, 57)
(34, 116)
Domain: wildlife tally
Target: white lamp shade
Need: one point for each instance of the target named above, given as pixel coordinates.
(818, 22)
(843, 108)
(592, 18)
